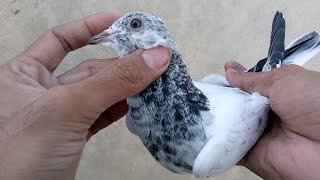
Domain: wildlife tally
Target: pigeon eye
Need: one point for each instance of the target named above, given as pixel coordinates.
(136, 23)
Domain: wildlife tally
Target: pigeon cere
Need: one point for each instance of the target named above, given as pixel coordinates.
(203, 128)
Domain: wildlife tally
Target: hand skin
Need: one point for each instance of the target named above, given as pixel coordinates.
(45, 121)
(290, 149)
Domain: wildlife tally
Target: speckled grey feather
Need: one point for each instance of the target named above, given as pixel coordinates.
(169, 114)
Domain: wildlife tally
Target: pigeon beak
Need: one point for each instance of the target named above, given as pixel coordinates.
(101, 38)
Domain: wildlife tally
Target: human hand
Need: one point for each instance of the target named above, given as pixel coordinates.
(290, 148)
(45, 120)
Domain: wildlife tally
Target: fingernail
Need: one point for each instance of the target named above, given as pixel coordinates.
(157, 57)
(232, 70)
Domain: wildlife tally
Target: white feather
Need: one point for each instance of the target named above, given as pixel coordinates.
(215, 79)
(234, 123)
(301, 57)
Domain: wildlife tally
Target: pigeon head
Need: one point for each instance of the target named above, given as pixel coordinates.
(135, 31)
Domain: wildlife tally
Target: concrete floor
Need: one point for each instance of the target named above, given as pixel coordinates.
(209, 33)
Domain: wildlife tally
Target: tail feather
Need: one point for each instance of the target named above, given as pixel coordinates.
(279, 23)
(297, 52)
(303, 49)
(275, 20)
(302, 39)
(276, 49)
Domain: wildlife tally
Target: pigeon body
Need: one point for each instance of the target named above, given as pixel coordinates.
(203, 127)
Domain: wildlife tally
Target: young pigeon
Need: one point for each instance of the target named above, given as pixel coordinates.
(205, 127)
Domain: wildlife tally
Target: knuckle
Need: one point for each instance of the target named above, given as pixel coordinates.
(128, 73)
(90, 29)
(14, 66)
(288, 70)
(91, 67)
(59, 35)
(254, 82)
(26, 66)
(248, 84)
(276, 74)
(292, 68)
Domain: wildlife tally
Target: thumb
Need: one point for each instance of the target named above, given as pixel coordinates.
(260, 82)
(122, 78)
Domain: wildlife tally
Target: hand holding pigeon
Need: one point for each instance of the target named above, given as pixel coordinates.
(290, 148)
(45, 120)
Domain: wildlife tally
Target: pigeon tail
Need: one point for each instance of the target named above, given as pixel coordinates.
(297, 52)
(302, 49)
(276, 48)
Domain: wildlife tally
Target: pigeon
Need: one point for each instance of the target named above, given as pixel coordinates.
(199, 127)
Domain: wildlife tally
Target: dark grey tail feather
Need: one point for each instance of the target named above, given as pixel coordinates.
(275, 18)
(298, 52)
(276, 49)
(277, 24)
(309, 44)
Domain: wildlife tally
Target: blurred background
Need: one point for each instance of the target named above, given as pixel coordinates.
(209, 33)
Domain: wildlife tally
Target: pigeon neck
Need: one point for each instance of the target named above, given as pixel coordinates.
(177, 69)
(174, 85)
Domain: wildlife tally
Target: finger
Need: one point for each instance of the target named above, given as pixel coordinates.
(251, 82)
(123, 78)
(53, 46)
(234, 65)
(108, 117)
(84, 70)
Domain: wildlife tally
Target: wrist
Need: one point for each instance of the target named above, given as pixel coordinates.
(25, 158)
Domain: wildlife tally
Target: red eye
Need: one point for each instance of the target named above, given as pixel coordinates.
(136, 23)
